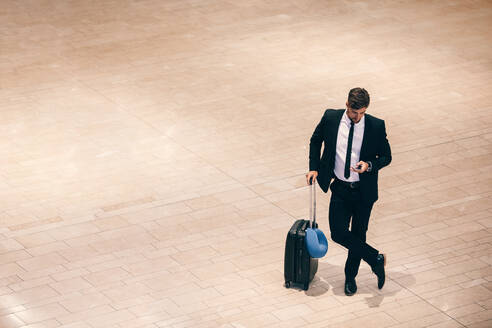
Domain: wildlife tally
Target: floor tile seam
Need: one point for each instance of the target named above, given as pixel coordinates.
(420, 318)
(421, 144)
(433, 207)
(459, 250)
(58, 301)
(53, 225)
(162, 202)
(416, 147)
(453, 227)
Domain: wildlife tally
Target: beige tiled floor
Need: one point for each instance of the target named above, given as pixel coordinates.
(154, 152)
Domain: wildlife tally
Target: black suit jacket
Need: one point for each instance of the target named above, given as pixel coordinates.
(375, 149)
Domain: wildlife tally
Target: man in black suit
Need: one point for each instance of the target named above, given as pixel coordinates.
(355, 149)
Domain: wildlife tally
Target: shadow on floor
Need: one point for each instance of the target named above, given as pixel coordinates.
(330, 276)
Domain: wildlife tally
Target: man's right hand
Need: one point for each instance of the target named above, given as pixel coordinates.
(311, 175)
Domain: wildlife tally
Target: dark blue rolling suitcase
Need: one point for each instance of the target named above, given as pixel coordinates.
(299, 266)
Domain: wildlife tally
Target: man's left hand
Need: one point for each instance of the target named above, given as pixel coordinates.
(363, 167)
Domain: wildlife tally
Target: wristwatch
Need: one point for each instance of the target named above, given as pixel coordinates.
(369, 167)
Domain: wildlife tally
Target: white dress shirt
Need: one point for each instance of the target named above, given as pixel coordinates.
(342, 140)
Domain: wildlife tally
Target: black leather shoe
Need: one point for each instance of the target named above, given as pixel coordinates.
(350, 287)
(378, 269)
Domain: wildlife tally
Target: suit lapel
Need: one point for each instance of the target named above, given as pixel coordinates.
(335, 125)
(365, 138)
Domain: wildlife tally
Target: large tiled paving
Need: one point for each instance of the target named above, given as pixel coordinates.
(153, 157)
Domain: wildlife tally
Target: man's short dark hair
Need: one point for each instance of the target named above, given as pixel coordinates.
(358, 98)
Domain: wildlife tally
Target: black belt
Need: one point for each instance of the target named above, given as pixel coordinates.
(351, 185)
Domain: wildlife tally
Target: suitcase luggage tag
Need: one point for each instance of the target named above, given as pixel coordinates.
(316, 242)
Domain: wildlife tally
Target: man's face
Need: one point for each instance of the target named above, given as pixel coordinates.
(355, 115)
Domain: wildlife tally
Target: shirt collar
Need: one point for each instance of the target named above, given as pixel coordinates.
(347, 120)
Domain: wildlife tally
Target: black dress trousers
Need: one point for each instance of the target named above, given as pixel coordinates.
(346, 205)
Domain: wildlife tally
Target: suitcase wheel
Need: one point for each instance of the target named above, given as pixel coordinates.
(306, 286)
(287, 284)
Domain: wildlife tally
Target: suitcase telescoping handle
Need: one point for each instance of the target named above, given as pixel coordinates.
(312, 204)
